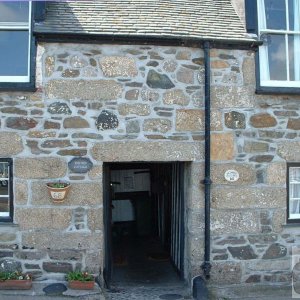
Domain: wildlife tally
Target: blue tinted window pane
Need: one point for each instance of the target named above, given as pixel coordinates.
(294, 57)
(277, 57)
(16, 11)
(292, 17)
(275, 14)
(14, 53)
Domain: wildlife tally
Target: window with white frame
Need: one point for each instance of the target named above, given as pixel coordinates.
(279, 29)
(15, 33)
(294, 193)
(6, 190)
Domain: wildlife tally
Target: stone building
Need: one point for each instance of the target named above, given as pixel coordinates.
(120, 88)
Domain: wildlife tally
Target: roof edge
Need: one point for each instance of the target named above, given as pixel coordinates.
(166, 40)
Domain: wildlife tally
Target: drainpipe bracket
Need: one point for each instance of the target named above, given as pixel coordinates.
(206, 267)
(206, 181)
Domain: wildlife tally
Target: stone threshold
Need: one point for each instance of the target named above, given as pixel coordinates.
(36, 292)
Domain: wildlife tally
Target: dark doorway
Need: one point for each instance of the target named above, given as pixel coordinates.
(144, 223)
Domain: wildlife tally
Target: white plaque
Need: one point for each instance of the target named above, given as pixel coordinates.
(232, 175)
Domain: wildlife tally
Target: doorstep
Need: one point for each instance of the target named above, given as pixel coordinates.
(36, 292)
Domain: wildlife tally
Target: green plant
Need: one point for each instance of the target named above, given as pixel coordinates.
(58, 185)
(17, 275)
(79, 276)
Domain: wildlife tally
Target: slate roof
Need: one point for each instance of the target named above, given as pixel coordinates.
(194, 19)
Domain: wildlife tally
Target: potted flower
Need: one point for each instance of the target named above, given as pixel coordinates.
(78, 280)
(58, 191)
(15, 281)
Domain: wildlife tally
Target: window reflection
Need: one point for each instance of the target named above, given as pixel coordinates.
(275, 14)
(17, 11)
(277, 57)
(14, 53)
(294, 191)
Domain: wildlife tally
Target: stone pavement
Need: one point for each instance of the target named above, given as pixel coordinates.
(155, 292)
(251, 292)
(37, 293)
(148, 292)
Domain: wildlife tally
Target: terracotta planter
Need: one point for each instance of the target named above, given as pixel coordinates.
(58, 195)
(81, 285)
(12, 284)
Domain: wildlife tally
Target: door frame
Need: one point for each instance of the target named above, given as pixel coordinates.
(107, 214)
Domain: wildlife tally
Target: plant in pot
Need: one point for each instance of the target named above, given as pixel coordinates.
(15, 281)
(58, 191)
(80, 280)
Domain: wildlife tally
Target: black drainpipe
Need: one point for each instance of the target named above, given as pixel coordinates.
(206, 266)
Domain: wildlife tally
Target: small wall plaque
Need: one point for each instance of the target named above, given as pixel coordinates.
(232, 175)
(80, 165)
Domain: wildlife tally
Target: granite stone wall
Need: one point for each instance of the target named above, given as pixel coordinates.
(113, 103)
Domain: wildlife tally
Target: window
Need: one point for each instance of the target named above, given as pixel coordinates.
(15, 41)
(6, 191)
(279, 29)
(294, 192)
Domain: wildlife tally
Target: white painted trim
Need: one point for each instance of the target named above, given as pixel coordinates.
(280, 83)
(14, 78)
(263, 50)
(14, 26)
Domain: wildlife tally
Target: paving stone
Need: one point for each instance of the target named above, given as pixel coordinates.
(55, 289)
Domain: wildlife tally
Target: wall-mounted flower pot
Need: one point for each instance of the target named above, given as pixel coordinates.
(13, 284)
(81, 285)
(58, 191)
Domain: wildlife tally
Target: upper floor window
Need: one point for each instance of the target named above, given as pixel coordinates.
(279, 29)
(15, 36)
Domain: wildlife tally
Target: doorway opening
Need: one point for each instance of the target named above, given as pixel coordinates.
(144, 223)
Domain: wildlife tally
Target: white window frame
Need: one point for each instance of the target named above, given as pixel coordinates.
(7, 216)
(263, 50)
(293, 200)
(19, 26)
